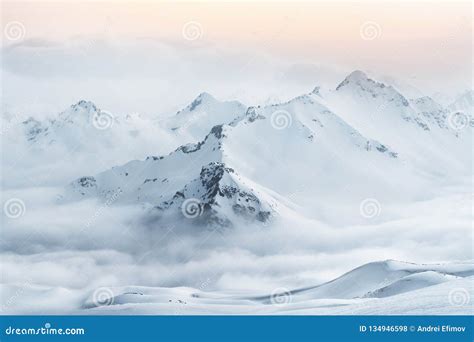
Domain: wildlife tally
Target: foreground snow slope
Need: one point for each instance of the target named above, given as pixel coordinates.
(388, 287)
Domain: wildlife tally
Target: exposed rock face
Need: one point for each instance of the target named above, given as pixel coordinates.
(84, 185)
(359, 80)
(216, 197)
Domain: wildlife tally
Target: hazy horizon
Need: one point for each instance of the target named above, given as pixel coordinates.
(155, 57)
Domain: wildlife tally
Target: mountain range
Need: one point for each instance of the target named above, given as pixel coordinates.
(248, 198)
(241, 164)
(362, 139)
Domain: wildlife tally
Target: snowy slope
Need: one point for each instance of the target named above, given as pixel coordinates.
(191, 181)
(82, 138)
(314, 145)
(430, 112)
(224, 165)
(417, 129)
(463, 103)
(204, 112)
(85, 127)
(81, 123)
(380, 279)
(409, 289)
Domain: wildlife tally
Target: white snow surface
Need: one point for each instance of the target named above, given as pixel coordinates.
(386, 287)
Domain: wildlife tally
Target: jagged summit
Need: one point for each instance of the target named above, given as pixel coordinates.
(217, 198)
(223, 171)
(202, 98)
(316, 90)
(84, 104)
(360, 83)
(84, 111)
(194, 121)
(353, 131)
(359, 78)
(71, 123)
(193, 172)
(357, 75)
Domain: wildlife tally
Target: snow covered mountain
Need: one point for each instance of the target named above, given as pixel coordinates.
(193, 122)
(323, 140)
(419, 130)
(431, 112)
(79, 124)
(224, 174)
(82, 138)
(85, 127)
(463, 103)
(270, 180)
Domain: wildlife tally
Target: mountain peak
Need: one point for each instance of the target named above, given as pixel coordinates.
(82, 111)
(84, 105)
(198, 101)
(360, 83)
(252, 115)
(205, 96)
(355, 77)
(316, 90)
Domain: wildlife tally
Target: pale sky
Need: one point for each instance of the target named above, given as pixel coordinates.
(427, 44)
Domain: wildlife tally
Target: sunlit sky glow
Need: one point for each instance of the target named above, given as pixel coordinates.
(424, 43)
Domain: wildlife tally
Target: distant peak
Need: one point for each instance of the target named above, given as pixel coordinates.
(316, 90)
(359, 82)
(355, 77)
(360, 79)
(203, 97)
(252, 115)
(251, 111)
(87, 105)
